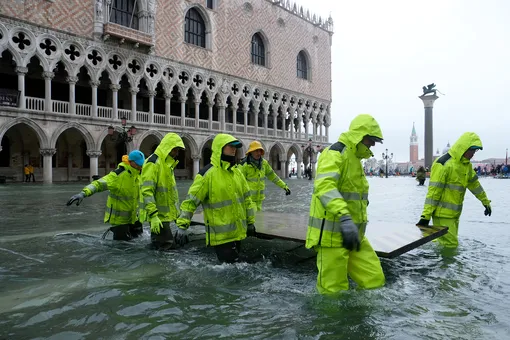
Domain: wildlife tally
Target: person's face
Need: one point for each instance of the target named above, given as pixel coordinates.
(256, 154)
(229, 150)
(369, 142)
(174, 153)
(470, 153)
(136, 166)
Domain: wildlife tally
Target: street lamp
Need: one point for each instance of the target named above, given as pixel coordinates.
(125, 135)
(385, 156)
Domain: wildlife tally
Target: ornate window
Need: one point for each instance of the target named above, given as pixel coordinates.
(124, 12)
(302, 65)
(194, 28)
(258, 50)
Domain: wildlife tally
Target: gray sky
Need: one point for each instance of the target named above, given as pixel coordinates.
(385, 51)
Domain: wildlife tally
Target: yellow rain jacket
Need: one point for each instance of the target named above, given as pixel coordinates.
(451, 175)
(159, 191)
(340, 186)
(257, 179)
(124, 186)
(225, 196)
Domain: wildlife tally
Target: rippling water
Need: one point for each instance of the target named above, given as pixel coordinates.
(57, 284)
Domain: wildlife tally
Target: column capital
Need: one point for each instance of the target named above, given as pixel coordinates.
(72, 80)
(93, 153)
(47, 152)
(115, 87)
(428, 101)
(94, 83)
(21, 70)
(182, 100)
(196, 157)
(134, 90)
(168, 96)
(48, 75)
(152, 93)
(299, 160)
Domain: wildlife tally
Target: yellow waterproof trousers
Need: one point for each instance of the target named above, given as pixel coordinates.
(449, 240)
(334, 264)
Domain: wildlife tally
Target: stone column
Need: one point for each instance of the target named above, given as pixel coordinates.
(234, 118)
(93, 155)
(69, 166)
(314, 122)
(151, 94)
(320, 131)
(48, 76)
(428, 103)
(21, 71)
(168, 97)
(221, 114)
(196, 165)
(245, 116)
(94, 85)
(133, 91)
(72, 94)
(298, 165)
(275, 122)
(284, 169)
(183, 111)
(210, 107)
(305, 122)
(265, 122)
(115, 100)
(47, 164)
(291, 125)
(197, 113)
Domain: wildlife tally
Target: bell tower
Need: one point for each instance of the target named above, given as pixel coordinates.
(413, 146)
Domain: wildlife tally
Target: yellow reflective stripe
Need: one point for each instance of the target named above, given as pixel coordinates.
(217, 205)
(149, 199)
(334, 175)
(121, 213)
(252, 179)
(194, 199)
(276, 179)
(247, 194)
(163, 208)
(121, 198)
(351, 196)
(437, 184)
(103, 183)
(148, 184)
(451, 206)
(329, 196)
(331, 226)
(186, 214)
(161, 189)
(477, 191)
(257, 192)
(364, 196)
(250, 212)
(455, 187)
(473, 179)
(226, 228)
(91, 187)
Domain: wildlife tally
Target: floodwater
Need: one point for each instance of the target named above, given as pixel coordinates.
(59, 280)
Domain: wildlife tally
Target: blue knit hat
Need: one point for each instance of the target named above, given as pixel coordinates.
(137, 156)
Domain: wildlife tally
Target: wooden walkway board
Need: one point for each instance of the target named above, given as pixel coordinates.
(388, 239)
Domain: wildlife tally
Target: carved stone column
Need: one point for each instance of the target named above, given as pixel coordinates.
(21, 71)
(210, 107)
(133, 91)
(196, 164)
(298, 165)
(94, 85)
(197, 113)
(72, 94)
(221, 114)
(47, 164)
(182, 100)
(168, 97)
(151, 94)
(115, 100)
(48, 76)
(93, 155)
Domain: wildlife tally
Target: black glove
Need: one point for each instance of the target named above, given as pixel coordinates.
(287, 192)
(350, 233)
(423, 222)
(488, 210)
(251, 231)
(181, 236)
(76, 198)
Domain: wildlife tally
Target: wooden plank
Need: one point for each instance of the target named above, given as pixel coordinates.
(389, 240)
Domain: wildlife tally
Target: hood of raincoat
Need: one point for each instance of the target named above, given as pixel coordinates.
(218, 143)
(361, 126)
(168, 143)
(467, 140)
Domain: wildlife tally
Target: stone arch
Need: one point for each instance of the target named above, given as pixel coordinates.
(104, 133)
(41, 135)
(147, 133)
(279, 148)
(89, 140)
(296, 150)
(190, 141)
(16, 57)
(71, 69)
